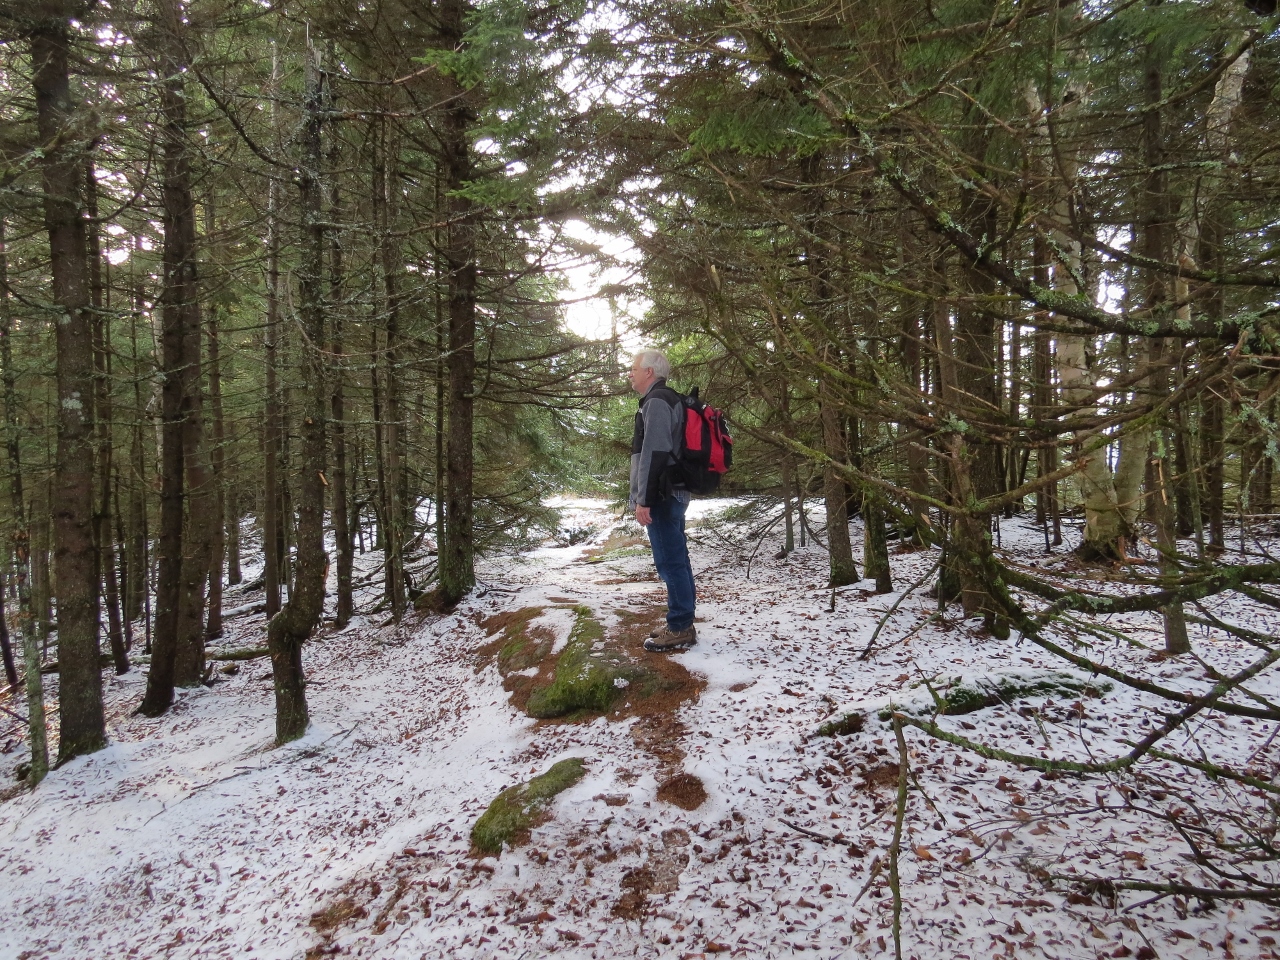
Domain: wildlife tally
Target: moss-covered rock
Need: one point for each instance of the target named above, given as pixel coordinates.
(961, 697)
(582, 681)
(518, 809)
(956, 697)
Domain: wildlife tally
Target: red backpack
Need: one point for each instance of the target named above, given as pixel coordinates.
(708, 449)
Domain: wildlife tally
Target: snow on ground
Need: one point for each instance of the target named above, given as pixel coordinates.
(191, 836)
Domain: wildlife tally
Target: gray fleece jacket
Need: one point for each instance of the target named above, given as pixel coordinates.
(659, 432)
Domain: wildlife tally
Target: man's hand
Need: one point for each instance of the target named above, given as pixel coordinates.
(643, 516)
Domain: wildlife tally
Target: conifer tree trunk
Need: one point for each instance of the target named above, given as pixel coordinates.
(393, 433)
(976, 469)
(217, 463)
(289, 629)
(102, 407)
(136, 559)
(272, 522)
(6, 647)
(457, 551)
(19, 537)
(234, 576)
(1211, 234)
(41, 574)
(910, 339)
(340, 484)
(843, 571)
(82, 724)
(1155, 239)
(173, 661)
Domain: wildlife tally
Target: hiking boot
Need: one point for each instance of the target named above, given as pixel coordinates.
(669, 641)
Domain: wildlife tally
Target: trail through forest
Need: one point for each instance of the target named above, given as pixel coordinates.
(712, 817)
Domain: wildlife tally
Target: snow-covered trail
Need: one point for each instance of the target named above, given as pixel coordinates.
(192, 837)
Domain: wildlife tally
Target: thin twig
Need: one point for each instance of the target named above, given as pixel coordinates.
(18, 717)
(896, 604)
(812, 834)
(895, 847)
(876, 866)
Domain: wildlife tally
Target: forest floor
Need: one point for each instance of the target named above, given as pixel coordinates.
(711, 817)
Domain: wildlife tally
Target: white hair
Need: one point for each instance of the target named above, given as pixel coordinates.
(655, 360)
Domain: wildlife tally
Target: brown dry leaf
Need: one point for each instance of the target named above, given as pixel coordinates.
(923, 852)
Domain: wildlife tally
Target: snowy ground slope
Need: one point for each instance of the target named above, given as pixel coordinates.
(191, 837)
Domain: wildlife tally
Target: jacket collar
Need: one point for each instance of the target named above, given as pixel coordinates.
(660, 382)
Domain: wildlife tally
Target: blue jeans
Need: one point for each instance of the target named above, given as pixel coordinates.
(671, 557)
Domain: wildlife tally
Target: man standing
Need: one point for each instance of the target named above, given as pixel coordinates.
(659, 497)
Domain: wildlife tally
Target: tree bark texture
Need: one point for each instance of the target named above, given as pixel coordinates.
(172, 660)
(393, 431)
(457, 552)
(103, 534)
(80, 710)
(218, 466)
(289, 629)
(843, 571)
(341, 518)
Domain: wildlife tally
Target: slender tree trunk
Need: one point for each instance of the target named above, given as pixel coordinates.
(917, 456)
(272, 523)
(1042, 400)
(27, 628)
(843, 571)
(137, 561)
(379, 501)
(288, 630)
(179, 312)
(218, 464)
(787, 467)
(442, 324)
(341, 521)
(393, 444)
(234, 576)
(6, 648)
(103, 417)
(122, 571)
(457, 552)
(82, 724)
(41, 574)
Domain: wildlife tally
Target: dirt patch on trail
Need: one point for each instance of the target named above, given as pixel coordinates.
(660, 874)
(517, 648)
(885, 775)
(684, 790)
(617, 676)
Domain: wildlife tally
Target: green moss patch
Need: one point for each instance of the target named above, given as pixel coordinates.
(517, 810)
(843, 726)
(594, 673)
(583, 680)
(957, 697)
(618, 545)
(960, 697)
